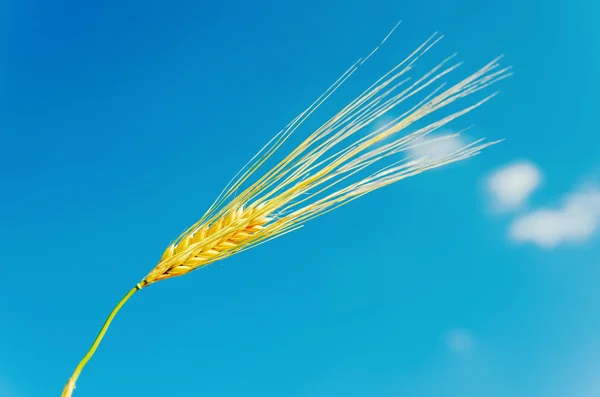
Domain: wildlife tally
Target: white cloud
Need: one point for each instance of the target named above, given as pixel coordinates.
(575, 221)
(437, 147)
(459, 340)
(511, 186)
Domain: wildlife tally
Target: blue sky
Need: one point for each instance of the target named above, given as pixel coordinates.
(121, 122)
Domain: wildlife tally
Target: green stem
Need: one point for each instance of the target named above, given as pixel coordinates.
(68, 390)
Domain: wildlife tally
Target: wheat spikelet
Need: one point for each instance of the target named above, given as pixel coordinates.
(337, 163)
(210, 243)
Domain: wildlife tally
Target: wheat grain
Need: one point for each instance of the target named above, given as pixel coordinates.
(336, 164)
(210, 243)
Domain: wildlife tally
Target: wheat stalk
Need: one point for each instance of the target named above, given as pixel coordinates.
(330, 168)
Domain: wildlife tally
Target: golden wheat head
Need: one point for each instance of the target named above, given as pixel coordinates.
(342, 160)
(316, 176)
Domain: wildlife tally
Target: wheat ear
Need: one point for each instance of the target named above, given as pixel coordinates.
(337, 163)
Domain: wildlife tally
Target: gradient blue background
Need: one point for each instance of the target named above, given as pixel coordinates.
(120, 121)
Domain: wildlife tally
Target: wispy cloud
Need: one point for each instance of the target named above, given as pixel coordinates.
(459, 340)
(437, 146)
(511, 185)
(576, 220)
